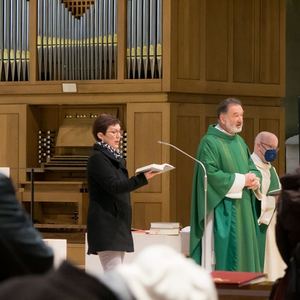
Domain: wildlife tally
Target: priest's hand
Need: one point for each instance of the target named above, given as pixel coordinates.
(251, 181)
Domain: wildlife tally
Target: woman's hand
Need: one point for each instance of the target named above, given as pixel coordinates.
(150, 174)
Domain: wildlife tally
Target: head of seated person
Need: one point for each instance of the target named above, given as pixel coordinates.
(158, 272)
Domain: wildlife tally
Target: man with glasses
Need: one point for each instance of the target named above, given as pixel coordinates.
(265, 152)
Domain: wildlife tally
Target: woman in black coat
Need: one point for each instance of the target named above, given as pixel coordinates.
(109, 212)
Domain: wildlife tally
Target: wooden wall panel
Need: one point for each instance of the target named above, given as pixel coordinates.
(188, 137)
(9, 147)
(148, 130)
(147, 123)
(270, 41)
(248, 132)
(144, 213)
(13, 135)
(241, 47)
(217, 43)
(243, 41)
(189, 50)
(188, 126)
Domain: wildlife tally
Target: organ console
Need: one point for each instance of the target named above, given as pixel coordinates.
(60, 191)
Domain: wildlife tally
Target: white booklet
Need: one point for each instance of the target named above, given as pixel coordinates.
(165, 225)
(5, 171)
(155, 168)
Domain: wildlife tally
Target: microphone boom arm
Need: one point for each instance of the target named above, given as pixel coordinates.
(205, 196)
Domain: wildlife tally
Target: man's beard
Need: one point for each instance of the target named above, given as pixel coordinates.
(235, 129)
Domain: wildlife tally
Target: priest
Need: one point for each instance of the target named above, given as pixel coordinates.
(265, 152)
(234, 240)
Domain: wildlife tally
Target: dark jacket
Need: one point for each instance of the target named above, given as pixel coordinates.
(288, 238)
(109, 212)
(22, 250)
(65, 283)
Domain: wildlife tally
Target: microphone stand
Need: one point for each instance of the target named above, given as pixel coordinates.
(205, 196)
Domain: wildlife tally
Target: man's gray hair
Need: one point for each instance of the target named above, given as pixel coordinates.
(223, 106)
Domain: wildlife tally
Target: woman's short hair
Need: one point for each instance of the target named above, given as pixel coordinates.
(102, 122)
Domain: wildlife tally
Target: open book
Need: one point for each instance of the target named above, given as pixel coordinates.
(155, 168)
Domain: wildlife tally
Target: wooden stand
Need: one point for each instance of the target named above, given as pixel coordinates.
(259, 291)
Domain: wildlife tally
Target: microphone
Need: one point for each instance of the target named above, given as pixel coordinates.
(205, 237)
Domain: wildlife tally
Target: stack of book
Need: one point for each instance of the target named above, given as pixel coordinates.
(168, 228)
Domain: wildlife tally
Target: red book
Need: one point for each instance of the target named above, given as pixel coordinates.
(237, 278)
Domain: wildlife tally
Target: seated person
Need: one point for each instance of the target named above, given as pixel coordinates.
(288, 237)
(22, 250)
(158, 272)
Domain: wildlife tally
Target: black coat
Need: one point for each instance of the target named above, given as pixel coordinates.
(109, 212)
(22, 250)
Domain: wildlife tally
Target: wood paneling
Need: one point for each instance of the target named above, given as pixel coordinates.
(240, 47)
(270, 41)
(243, 41)
(189, 50)
(216, 40)
(9, 131)
(144, 213)
(187, 139)
(147, 124)
(248, 132)
(148, 130)
(13, 135)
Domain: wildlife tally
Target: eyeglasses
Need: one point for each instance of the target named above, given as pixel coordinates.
(115, 132)
(267, 146)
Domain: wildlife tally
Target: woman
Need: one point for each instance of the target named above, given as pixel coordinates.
(109, 212)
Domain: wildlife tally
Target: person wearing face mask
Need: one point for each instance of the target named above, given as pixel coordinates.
(235, 243)
(109, 187)
(265, 152)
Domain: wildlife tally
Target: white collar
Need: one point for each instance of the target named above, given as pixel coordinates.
(223, 130)
(259, 162)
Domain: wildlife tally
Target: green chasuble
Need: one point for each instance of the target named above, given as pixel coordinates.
(238, 239)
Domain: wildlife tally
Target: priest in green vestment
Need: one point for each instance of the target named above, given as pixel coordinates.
(265, 152)
(237, 240)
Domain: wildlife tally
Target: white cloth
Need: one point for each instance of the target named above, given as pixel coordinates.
(268, 203)
(273, 266)
(236, 190)
(161, 273)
